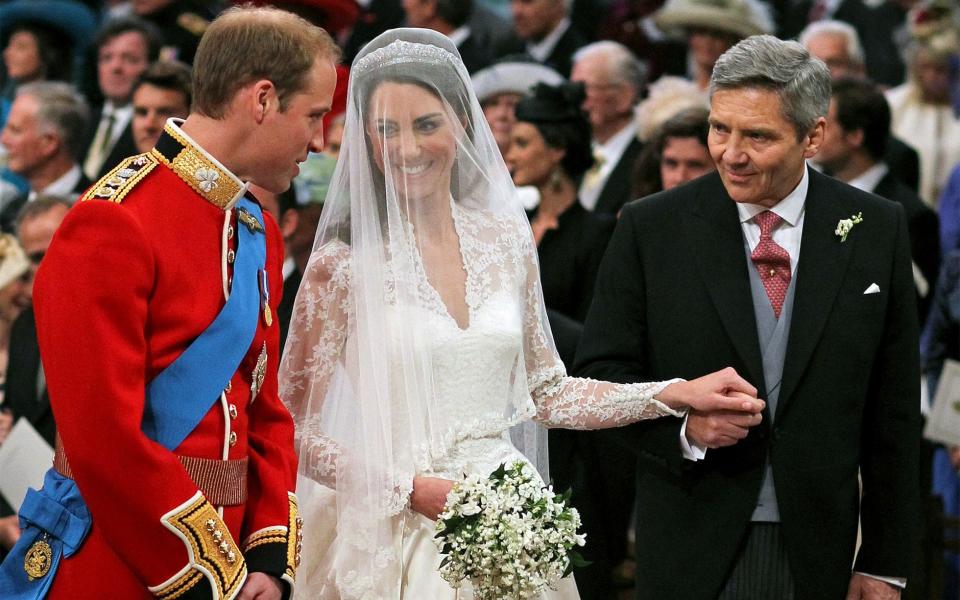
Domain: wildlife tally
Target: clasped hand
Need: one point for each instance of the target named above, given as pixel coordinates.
(723, 407)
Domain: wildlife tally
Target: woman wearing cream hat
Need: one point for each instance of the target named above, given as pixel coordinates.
(711, 27)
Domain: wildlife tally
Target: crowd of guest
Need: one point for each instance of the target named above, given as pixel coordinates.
(592, 103)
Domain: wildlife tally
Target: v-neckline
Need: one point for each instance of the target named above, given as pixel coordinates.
(442, 307)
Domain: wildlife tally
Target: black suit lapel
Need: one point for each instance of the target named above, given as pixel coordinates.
(823, 263)
(716, 239)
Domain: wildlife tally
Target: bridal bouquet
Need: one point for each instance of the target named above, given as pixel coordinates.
(508, 534)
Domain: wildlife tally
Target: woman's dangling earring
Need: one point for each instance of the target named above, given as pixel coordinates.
(556, 179)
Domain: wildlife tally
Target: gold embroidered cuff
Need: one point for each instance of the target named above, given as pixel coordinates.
(179, 585)
(295, 539)
(210, 546)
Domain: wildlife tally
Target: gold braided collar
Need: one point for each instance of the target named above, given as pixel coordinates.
(197, 168)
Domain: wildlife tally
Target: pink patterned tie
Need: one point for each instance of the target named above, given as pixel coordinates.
(772, 261)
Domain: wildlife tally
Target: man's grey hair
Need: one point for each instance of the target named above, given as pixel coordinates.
(62, 109)
(763, 61)
(625, 67)
(851, 39)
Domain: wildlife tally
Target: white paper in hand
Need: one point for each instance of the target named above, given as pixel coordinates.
(24, 458)
(943, 424)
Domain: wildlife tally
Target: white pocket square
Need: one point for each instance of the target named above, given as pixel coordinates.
(873, 289)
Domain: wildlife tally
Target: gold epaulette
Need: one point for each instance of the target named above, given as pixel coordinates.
(116, 184)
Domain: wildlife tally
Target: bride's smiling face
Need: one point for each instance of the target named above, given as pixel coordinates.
(413, 140)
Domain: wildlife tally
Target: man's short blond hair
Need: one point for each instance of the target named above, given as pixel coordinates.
(246, 44)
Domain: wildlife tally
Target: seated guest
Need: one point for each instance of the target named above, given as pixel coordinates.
(921, 108)
(837, 44)
(853, 148)
(44, 138)
(545, 29)
(299, 215)
(550, 150)
(676, 154)
(614, 80)
(500, 87)
(711, 27)
(164, 90)
(25, 394)
(451, 18)
(125, 48)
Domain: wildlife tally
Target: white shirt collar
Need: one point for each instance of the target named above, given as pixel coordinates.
(789, 209)
(541, 50)
(870, 179)
(459, 35)
(614, 148)
(63, 186)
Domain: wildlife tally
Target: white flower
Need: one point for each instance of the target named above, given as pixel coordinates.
(845, 225)
(206, 178)
(468, 509)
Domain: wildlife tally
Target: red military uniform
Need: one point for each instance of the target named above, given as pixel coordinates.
(136, 272)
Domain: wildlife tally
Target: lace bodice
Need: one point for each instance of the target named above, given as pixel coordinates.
(499, 370)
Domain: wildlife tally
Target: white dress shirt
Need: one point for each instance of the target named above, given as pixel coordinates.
(62, 187)
(542, 49)
(611, 153)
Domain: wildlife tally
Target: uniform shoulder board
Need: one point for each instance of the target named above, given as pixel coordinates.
(116, 184)
(193, 23)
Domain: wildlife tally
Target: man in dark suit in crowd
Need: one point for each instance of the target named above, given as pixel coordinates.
(614, 80)
(545, 28)
(26, 390)
(837, 44)
(451, 18)
(125, 47)
(713, 274)
(44, 137)
(858, 128)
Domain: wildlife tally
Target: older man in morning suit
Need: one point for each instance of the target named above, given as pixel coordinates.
(803, 284)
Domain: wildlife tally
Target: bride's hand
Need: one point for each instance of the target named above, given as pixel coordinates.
(429, 495)
(722, 390)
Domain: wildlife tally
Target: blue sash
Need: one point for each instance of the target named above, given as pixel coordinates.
(55, 520)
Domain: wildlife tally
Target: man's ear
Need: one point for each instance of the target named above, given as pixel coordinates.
(855, 137)
(263, 99)
(814, 138)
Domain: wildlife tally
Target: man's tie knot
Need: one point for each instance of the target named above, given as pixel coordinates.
(768, 221)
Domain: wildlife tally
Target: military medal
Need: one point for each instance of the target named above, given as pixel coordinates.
(265, 296)
(38, 559)
(259, 373)
(250, 221)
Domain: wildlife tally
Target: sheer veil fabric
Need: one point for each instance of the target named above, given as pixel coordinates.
(419, 342)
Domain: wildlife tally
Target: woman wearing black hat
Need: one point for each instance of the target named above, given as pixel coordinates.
(550, 149)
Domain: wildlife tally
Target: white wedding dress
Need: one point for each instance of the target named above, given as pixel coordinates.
(478, 398)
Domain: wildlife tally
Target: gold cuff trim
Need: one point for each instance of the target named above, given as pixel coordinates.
(270, 535)
(115, 185)
(179, 586)
(295, 539)
(209, 544)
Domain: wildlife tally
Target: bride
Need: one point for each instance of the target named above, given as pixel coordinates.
(419, 349)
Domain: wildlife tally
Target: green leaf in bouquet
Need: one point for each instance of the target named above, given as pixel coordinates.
(577, 561)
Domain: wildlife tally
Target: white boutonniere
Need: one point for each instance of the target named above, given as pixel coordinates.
(845, 225)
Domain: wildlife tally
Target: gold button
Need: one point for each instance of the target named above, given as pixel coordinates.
(231, 256)
(233, 411)
(230, 232)
(773, 272)
(233, 438)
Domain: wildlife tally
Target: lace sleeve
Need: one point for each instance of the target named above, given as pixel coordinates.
(571, 402)
(318, 330)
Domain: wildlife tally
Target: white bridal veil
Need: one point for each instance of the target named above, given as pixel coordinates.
(421, 220)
